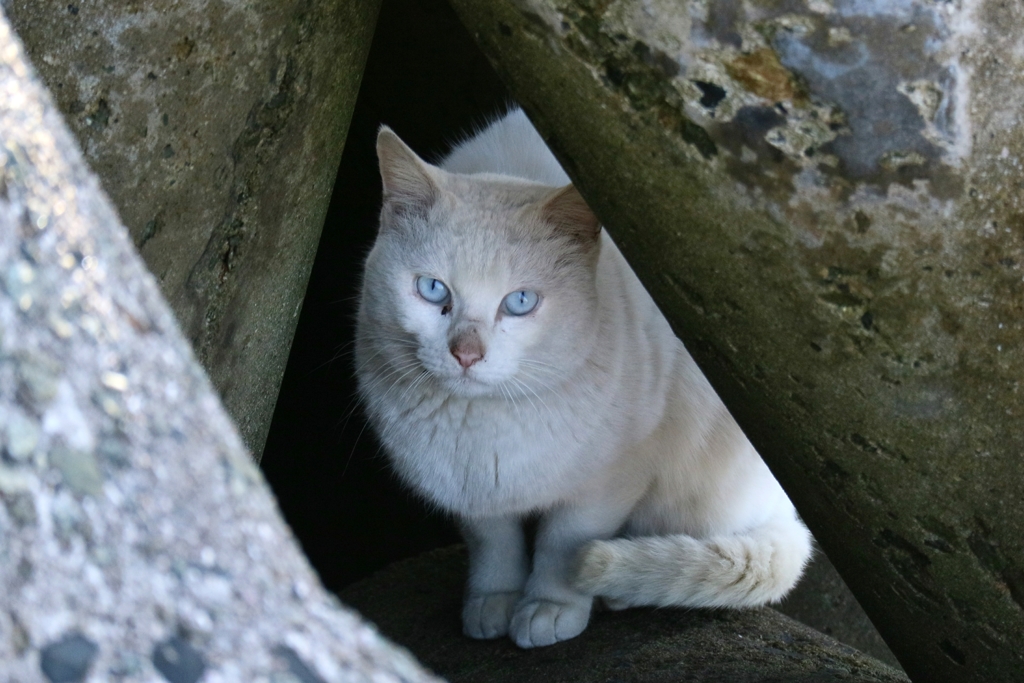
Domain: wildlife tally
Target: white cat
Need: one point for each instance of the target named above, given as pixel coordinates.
(513, 365)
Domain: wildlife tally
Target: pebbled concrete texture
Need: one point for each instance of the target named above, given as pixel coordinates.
(417, 603)
(216, 127)
(138, 540)
(825, 200)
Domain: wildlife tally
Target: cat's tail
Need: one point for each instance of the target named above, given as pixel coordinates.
(747, 569)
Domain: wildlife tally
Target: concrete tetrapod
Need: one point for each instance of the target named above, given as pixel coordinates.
(216, 128)
(417, 602)
(825, 198)
(138, 540)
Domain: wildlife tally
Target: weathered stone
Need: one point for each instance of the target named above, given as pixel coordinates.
(70, 524)
(20, 507)
(38, 374)
(839, 240)
(216, 127)
(177, 661)
(126, 664)
(297, 669)
(13, 481)
(417, 603)
(22, 435)
(68, 660)
(19, 283)
(185, 543)
(79, 469)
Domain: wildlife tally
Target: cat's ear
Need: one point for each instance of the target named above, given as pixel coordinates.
(409, 182)
(567, 210)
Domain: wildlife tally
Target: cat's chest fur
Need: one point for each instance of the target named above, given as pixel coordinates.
(486, 456)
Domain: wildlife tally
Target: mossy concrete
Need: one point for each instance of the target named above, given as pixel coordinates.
(217, 127)
(417, 603)
(825, 200)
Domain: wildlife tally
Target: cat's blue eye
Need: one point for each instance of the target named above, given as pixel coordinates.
(432, 289)
(521, 302)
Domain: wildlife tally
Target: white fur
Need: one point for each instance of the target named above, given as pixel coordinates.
(588, 412)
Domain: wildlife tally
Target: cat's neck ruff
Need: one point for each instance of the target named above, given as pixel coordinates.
(473, 455)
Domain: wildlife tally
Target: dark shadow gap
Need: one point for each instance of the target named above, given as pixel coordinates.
(426, 78)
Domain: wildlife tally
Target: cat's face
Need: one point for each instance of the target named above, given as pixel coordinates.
(482, 284)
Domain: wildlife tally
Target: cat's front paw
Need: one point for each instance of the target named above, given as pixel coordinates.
(487, 615)
(543, 622)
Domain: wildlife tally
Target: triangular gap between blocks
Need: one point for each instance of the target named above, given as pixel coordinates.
(426, 79)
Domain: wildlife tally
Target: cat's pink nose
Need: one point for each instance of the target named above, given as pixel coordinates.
(467, 347)
(466, 357)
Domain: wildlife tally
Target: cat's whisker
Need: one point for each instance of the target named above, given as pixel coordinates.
(377, 380)
(351, 453)
(392, 366)
(342, 350)
(405, 371)
(353, 404)
(412, 386)
(404, 355)
(511, 398)
(383, 345)
(539, 381)
(519, 383)
(377, 338)
(407, 387)
(530, 389)
(399, 354)
(366, 361)
(539, 372)
(548, 367)
(543, 385)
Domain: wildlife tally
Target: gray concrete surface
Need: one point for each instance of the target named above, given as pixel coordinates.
(216, 127)
(417, 603)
